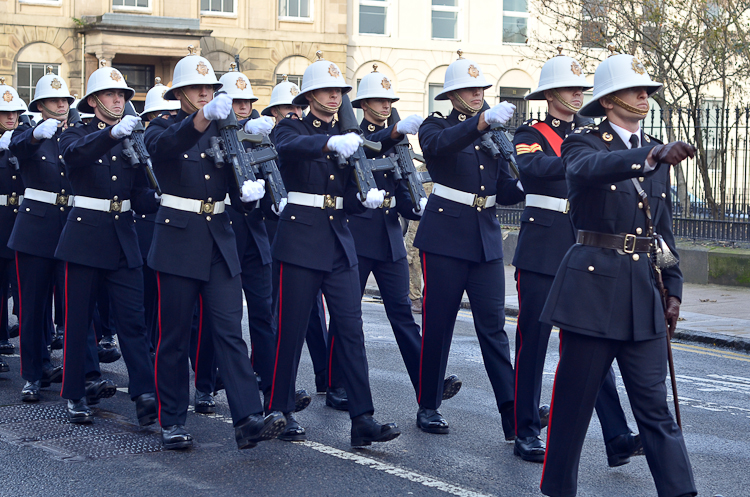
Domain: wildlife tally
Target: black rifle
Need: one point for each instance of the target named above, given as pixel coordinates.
(134, 148)
(74, 118)
(497, 144)
(263, 157)
(363, 167)
(405, 156)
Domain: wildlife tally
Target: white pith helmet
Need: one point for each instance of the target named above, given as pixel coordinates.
(9, 99)
(462, 73)
(374, 85)
(321, 74)
(82, 115)
(192, 70)
(155, 100)
(50, 86)
(617, 72)
(283, 94)
(560, 71)
(237, 85)
(104, 78)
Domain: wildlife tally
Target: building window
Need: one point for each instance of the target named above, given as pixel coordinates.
(373, 17)
(138, 77)
(141, 4)
(515, 19)
(28, 75)
(292, 78)
(515, 96)
(443, 106)
(295, 8)
(445, 19)
(217, 6)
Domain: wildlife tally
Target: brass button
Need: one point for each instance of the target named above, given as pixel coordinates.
(636, 257)
(143, 216)
(476, 147)
(203, 155)
(531, 219)
(481, 187)
(114, 178)
(635, 166)
(591, 268)
(27, 209)
(439, 210)
(115, 198)
(230, 222)
(166, 221)
(331, 177)
(207, 177)
(117, 216)
(293, 218)
(63, 192)
(640, 205)
(45, 158)
(13, 177)
(347, 220)
(185, 156)
(613, 187)
(62, 209)
(62, 173)
(479, 209)
(330, 217)
(638, 231)
(387, 212)
(59, 156)
(210, 199)
(328, 157)
(114, 158)
(100, 161)
(385, 175)
(246, 214)
(78, 219)
(481, 168)
(15, 211)
(641, 179)
(208, 218)
(663, 195)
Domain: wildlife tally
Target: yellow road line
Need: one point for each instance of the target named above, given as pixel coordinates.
(708, 352)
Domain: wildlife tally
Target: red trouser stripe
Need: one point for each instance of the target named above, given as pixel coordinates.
(330, 362)
(424, 321)
(20, 312)
(551, 410)
(158, 344)
(200, 337)
(65, 343)
(519, 346)
(278, 338)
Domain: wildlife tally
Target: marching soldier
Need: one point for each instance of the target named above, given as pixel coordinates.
(606, 295)
(317, 333)
(460, 241)
(315, 248)
(99, 243)
(11, 186)
(546, 234)
(377, 233)
(195, 256)
(36, 232)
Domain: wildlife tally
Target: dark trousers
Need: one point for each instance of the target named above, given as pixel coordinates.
(83, 286)
(222, 307)
(584, 362)
(5, 265)
(445, 279)
(532, 337)
(103, 319)
(393, 283)
(257, 287)
(298, 287)
(150, 304)
(202, 351)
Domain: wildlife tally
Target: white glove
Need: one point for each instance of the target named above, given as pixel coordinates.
(218, 108)
(253, 190)
(125, 127)
(46, 129)
(345, 145)
(499, 114)
(5, 140)
(374, 198)
(282, 204)
(409, 125)
(422, 205)
(260, 126)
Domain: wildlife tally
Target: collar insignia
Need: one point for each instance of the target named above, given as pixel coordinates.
(607, 137)
(648, 140)
(101, 125)
(462, 117)
(370, 128)
(555, 123)
(316, 123)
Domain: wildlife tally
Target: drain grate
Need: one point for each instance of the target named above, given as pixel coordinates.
(46, 426)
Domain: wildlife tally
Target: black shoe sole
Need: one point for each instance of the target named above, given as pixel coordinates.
(186, 444)
(55, 377)
(338, 407)
(539, 458)
(148, 419)
(29, 398)
(4, 368)
(301, 403)
(269, 432)
(615, 461)
(81, 420)
(436, 430)
(295, 437)
(56, 345)
(109, 357)
(205, 409)
(452, 390)
(384, 437)
(7, 350)
(101, 393)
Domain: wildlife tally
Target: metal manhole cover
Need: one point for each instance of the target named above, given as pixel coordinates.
(102, 446)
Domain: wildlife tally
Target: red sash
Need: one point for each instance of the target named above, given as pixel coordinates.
(549, 134)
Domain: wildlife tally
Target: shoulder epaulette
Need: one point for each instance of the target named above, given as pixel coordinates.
(437, 114)
(530, 122)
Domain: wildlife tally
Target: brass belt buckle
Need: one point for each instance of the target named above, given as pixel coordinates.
(207, 207)
(480, 202)
(567, 206)
(115, 206)
(13, 199)
(625, 244)
(62, 199)
(329, 202)
(386, 203)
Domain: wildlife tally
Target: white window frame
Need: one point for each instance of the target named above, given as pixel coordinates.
(375, 3)
(32, 89)
(128, 8)
(513, 13)
(213, 13)
(308, 19)
(443, 8)
(49, 3)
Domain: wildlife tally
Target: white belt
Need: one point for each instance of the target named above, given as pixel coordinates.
(191, 205)
(228, 201)
(47, 197)
(100, 204)
(11, 199)
(549, 203)
(312, 200)
(465, 198)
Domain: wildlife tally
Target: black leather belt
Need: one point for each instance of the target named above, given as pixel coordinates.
(626, 242)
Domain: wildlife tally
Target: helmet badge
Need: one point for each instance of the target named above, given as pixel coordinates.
(115, 75)
(473, 71)
(294, 91)
(241, 84)
(385, 83)
(164, 92)
(56, 84)
(638, 66)
(333, 71)
(8, 96)
(575, 68)
(201, 68)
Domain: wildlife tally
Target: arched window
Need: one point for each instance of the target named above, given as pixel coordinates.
(435, 81)
(294, 67)
(220, 61)
(32, 63)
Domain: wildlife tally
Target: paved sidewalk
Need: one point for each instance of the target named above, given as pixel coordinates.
(714, 314)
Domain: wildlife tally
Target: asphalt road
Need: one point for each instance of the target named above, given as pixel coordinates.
(41, 455)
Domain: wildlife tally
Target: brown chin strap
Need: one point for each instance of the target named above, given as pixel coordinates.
(565, 103)
(379, 115)
(189, 102)
(58, 115)
(327, 108)
(635, 110)
(241, 117)
(467, 108)
(105, 110)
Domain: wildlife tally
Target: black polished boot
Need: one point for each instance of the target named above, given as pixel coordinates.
(255, 428)
(321, 382)
(7, 348)
(175, 437)
(30, 391)
(529, 449)
(543, 416)
(51, 374)
(366, 430)
(4, 368)
(337, 398)
(302, 399)
(293, 432)
(108, 350)
(204, 403)
(451, 386)
(622, 447)
(145, 409)
(79, 412)
(99, 389)
(431, 421)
